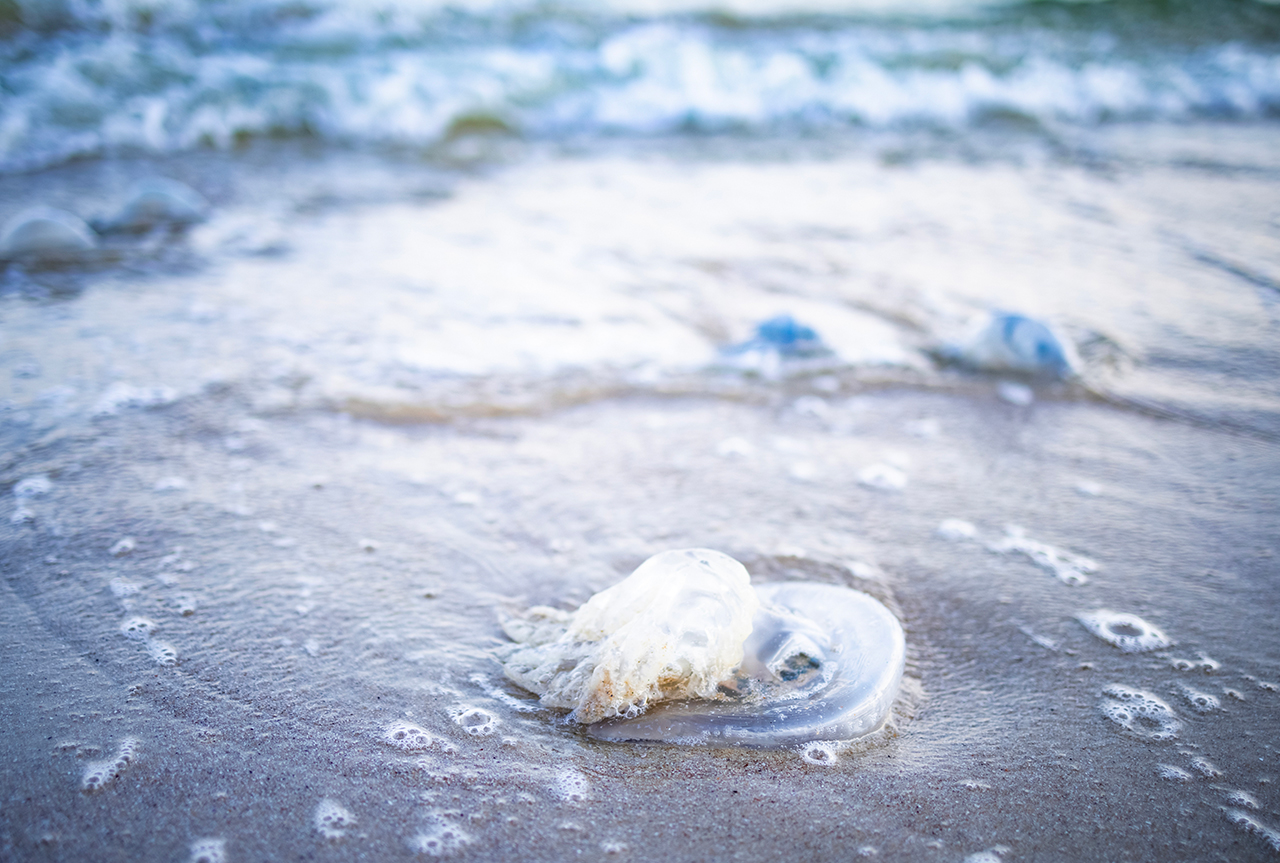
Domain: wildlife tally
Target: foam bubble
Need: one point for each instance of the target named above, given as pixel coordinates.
(32, 486)
(1069, 568)
(820, 752)
(1205, 767)
(332, 819)
(121, 395)
(408, 737)
(440, 839)
(1126, 631)
(613, 847)
(571, 786)
(1139, 712)
(1243, 798)
(883, 477)
(956, 529)
(142, 629)
(476, 721)
(209, 851)
(121, 588)
(1203, 663)
(138, 628)
(1200, 702)
(99, 774)
(1015, 393)
(162, 652)
(124, 546)
(1249, 824)
(1172, 773)
(991, 855)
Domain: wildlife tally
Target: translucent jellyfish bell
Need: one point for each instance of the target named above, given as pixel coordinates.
(687, 650)
(822, 663)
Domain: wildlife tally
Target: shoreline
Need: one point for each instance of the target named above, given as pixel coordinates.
(324, 576)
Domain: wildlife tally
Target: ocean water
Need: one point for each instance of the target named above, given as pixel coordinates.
(471, 321)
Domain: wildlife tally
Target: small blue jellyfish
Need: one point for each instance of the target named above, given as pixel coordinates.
(785, 336)
(1011, 342)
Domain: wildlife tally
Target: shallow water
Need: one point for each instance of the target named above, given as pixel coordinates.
(271, 483)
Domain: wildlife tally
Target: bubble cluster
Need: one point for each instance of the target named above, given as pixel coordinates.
(1252, 825)
(1126, 631)
(124, 546)
(32, 486)
(408, 737)
(332, 819)
(1205, 767)
(476, 721)
(820, 752)
(571, 786)
(1203, 663)
(1139, 712)
(1243, 798)
(991, 855)
(141, 629)
(440, 839)
(100, 774)
(209, 851)
(121, 589)
(121, 395)
(1201, 702)
(1172, 773)
(1070, 568)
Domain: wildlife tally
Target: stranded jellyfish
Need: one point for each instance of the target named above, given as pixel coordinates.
(687, 650)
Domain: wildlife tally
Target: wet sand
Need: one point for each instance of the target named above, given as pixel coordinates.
(326, 517)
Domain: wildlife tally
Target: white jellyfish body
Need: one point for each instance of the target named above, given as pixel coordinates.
(822, 663)
(686, 650)
(673, 629)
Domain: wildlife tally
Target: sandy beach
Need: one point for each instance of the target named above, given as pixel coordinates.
(272, 482)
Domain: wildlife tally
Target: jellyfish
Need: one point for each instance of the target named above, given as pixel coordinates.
(46, 235)
(158, 202)
(1010, 342)
(686, 650)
